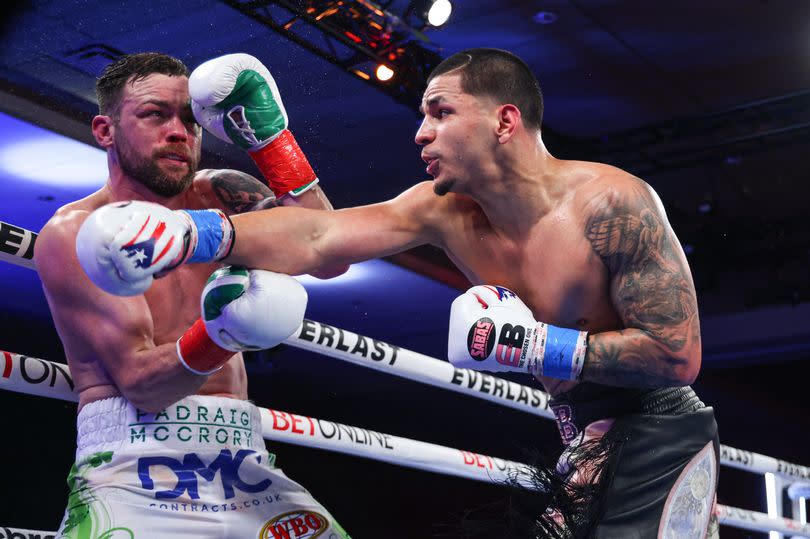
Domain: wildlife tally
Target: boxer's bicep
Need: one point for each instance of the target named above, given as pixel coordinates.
(651, 290)
(94, 326)
(232, 191)
(381, 229)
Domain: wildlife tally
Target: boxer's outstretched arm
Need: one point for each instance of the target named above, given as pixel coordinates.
(236, 192)
(97, 327)
(652, 291)
(299, 240)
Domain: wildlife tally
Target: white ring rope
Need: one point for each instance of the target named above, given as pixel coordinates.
(17, 248)
(43, 378)
(372, 353)
(19, 533)
(34, 376)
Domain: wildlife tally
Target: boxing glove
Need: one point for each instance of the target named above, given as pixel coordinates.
(491, 329)
(241, 310)
(235, 98)
(121, 246)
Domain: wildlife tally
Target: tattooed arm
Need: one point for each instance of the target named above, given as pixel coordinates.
(651, 289)
(235, 192)
(239, 192)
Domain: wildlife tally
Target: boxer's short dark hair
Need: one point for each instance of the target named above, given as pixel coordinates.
(500, 75)
(130, 68)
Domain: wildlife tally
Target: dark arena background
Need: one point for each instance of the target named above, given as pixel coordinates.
(709, 102)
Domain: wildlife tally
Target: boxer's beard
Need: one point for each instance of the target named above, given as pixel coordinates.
(442, 188)
(146, 171)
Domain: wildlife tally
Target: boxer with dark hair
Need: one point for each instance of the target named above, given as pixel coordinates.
(580, 279)
(168, 444)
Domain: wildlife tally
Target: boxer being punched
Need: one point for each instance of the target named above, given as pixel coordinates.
(168, 444)
(582, 283)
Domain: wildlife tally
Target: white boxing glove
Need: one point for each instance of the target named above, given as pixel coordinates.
(241, 310)
(121, 246)
(235, 98)
(491, 329)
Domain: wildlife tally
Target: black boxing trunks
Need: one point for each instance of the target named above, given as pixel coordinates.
(661, 477)
(637, 463)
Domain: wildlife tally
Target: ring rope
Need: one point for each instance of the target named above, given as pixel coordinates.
(372, 353)
(17, 245)
(53, 380)
(440, 374)
(43, 378)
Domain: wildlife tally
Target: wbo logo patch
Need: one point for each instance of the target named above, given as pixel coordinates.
(300, 524)
(481, 339)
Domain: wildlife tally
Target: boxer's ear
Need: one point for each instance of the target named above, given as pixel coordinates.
(102, 127)
(508, 120)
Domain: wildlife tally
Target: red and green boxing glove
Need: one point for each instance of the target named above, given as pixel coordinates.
(235, 98)
(242, 310)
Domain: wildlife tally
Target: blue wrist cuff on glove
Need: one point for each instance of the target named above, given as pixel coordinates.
(564, 353)
(210, 233)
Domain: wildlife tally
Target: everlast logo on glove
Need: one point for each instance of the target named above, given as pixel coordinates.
(481, 339)
(295, 525)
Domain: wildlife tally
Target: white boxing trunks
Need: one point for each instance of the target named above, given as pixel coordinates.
(197, 469)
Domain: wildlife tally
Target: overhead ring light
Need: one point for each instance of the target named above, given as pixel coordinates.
(438, 12)
(430, 12)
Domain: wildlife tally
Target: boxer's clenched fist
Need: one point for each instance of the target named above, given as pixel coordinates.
(235, 98)
(123, 245)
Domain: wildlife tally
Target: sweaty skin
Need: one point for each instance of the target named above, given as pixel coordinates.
(126, 345)
(584, 245)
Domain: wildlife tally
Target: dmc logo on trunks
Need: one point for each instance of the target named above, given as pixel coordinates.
(295, 525)
(187, 470)
(481, 339)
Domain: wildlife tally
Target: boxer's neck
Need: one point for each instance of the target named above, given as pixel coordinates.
(526, 188)
(121, 187)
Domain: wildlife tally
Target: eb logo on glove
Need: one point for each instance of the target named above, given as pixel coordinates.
(491, 329)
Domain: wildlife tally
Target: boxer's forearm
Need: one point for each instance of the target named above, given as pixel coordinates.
(282, 239)
(315, 199)
(300, 240)
(154, 378)
(633, 358)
